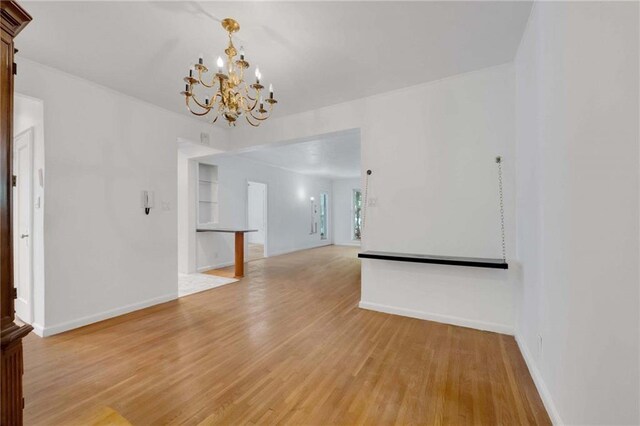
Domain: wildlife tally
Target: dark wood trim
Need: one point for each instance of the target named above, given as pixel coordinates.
(6, 131)
(477, 262)
(13, 333)
(13, 19)
(11, 383)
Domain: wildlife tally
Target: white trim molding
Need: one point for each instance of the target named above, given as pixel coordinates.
(543, 391)
(80, 322)
(446, 319)
(217, 265)
(287, 251)
(38, 329)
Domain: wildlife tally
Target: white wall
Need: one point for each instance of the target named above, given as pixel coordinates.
(288, 209)
(435, 184)
(187, 212)
(102, 255)
(578, 193)
(343, 211)
(29, 113)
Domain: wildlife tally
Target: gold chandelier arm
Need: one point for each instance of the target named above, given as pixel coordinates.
(204, 105)
(201, 81)
(200, 114)
(267, 115)
(255, 102)
(200, 104)
(220, 109)
(245, 102)
(249, 121)
(247, 95)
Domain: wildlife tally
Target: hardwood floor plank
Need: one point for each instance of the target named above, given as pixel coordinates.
(287, 344)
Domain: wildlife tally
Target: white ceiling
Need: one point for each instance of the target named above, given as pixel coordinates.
(334, 156)
(315, 53)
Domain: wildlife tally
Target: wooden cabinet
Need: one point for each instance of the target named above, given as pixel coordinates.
(14, 19)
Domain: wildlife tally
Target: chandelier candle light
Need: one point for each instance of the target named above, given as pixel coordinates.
(232, 99)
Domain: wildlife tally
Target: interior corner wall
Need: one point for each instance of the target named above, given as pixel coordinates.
(288, 209)
(29, 114)
(578, 209)
(186, 209)
(343, 211)
(102, 255)
(435, 185)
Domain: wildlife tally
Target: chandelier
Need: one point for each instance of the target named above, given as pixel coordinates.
(232, 98)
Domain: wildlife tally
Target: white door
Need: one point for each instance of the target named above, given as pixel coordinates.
(256, 211)
(22, 201)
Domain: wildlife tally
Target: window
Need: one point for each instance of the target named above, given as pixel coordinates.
(324, 200)
(356, 211)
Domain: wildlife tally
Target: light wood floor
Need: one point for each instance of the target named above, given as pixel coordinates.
(256, 251)
(286, 344)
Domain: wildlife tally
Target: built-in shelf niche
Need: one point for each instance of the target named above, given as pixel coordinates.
(208, 213)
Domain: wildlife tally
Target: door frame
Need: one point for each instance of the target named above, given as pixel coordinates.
(30, 141)
(265, 210)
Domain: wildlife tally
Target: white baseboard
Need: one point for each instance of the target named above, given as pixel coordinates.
(215, 266)
(270, 254)
(38, 329)
(463, 322)
(539, 382)
(80, 322)
(345, 244)
(287, 251)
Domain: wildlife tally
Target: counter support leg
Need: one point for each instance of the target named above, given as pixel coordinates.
(239, 254)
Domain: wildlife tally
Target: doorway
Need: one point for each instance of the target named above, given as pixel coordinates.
(23, 224)
(257, 219)
(324, 215)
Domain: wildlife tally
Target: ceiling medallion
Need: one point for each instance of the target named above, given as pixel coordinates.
(231, 97)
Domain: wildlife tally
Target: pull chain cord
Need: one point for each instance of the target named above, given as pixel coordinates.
(500, 193)
(364, 199)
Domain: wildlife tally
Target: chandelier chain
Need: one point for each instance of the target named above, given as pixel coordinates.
(501, 197)
(364, 199)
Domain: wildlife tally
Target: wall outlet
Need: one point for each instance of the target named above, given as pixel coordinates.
(215, 255)
(373, 201)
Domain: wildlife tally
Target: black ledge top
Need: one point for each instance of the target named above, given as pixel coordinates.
(478, 262)
(225, 230)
